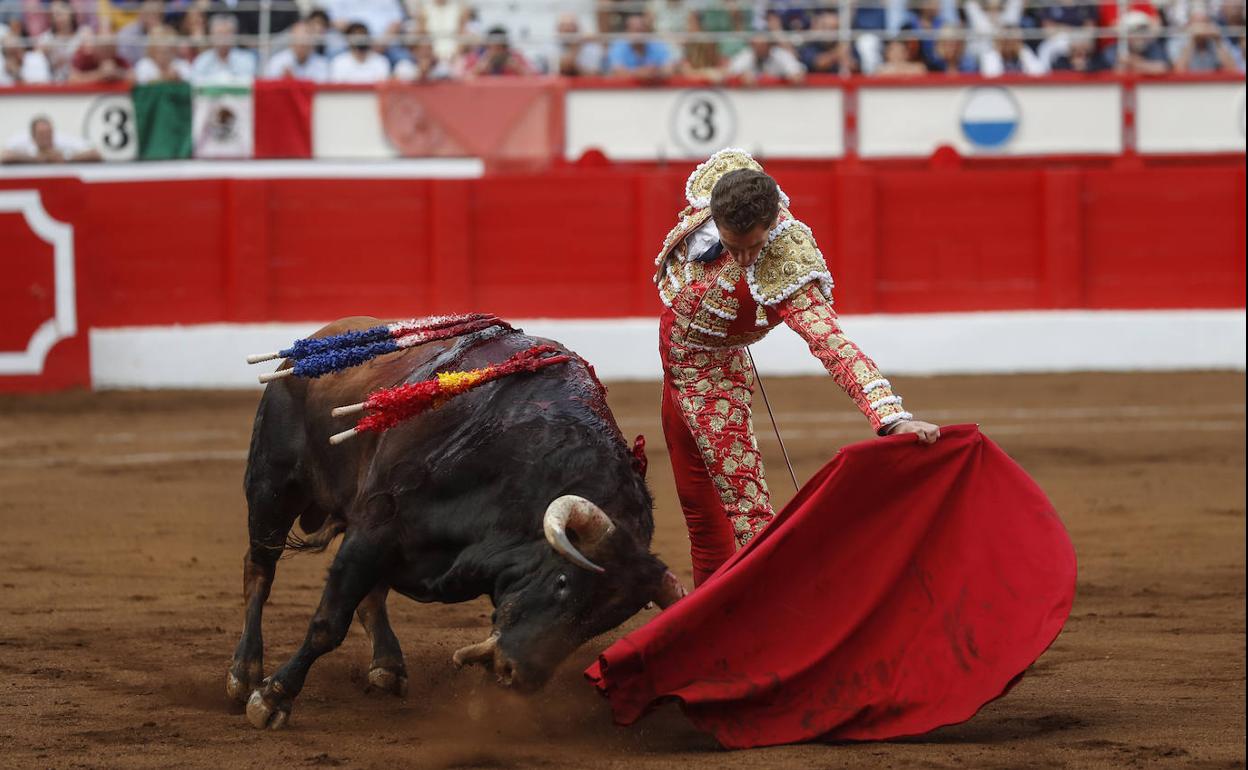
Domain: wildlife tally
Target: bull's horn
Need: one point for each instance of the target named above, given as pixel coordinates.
(670, 590)
(479, 653)
(590, 523)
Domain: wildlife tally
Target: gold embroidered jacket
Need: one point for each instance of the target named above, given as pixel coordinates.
(720, 306)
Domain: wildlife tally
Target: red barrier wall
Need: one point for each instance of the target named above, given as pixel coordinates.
(579, 242)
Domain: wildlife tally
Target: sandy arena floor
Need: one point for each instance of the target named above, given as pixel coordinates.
(124, 531)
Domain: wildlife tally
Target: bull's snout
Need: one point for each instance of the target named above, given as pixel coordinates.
(490, 656)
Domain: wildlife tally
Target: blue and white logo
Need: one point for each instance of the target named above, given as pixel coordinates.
(990, 117)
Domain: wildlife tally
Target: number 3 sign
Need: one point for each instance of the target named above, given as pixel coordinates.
(703, 121)
(109, 127)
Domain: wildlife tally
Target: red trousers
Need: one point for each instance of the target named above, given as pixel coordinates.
(710, 438)
(711, 539)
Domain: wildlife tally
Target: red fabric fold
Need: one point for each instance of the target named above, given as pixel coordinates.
(904, 587)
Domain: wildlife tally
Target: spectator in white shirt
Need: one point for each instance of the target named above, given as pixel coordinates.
(765, 57)
(988, 19)
(44, 145)
(161, 62)
(61, 39)
(1010, 55)
(19, 66)
(300, 61)
(223, 62)
(359, 63)
(445, 21)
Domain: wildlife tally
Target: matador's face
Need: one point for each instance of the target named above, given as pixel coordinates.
(745, 247)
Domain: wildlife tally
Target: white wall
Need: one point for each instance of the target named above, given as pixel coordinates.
(674, 123)
(1190, 117)
(1058, 120)
(105, 120)
(346, 125)
(212, 355)
(692, 123)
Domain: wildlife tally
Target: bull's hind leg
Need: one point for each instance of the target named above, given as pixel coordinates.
(352, 576)
(275, 497)
(387, 671)
(269, 522)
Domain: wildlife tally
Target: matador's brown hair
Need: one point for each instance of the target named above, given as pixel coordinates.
(745, 199)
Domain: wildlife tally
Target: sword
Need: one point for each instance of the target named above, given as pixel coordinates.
(758, 378)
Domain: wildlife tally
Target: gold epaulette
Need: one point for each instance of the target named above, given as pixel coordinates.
(789, 261)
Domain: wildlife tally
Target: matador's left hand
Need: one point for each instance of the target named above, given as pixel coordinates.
(926, 432)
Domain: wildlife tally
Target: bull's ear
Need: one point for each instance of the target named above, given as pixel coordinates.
(640, 463)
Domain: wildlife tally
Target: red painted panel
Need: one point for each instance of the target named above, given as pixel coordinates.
(555, 246)
(952, 240)
(28, 286)
(28, 291)
(580, 242)
(348, 247)
(1169, 237)
(154, 252)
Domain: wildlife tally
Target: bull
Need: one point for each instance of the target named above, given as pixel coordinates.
(522, 490)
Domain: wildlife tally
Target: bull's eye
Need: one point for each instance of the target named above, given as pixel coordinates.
(561, 582)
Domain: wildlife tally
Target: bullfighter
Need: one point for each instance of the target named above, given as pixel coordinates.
(736, 265)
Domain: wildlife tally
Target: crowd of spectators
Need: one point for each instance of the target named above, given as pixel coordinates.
(366, 41)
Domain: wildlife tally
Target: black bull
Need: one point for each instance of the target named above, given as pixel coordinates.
(522, 489)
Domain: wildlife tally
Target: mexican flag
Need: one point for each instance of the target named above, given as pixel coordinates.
(266, 119)
(222, 120)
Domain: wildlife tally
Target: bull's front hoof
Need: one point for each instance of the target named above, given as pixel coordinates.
(263, 714)
(242, 679)
(393, 681)
(237, 688)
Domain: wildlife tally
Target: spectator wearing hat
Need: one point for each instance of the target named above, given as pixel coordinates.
(1146, 53)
